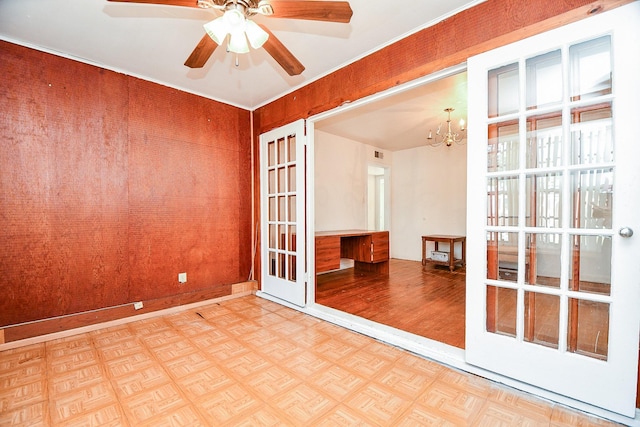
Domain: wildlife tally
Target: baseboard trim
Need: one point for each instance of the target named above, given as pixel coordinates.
(20, 335)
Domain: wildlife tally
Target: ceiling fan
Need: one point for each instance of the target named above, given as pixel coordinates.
(236, 23)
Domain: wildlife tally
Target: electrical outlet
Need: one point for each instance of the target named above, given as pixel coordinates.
(138, 305)
(182, 277)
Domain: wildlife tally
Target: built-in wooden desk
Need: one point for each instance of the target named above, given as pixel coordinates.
(451, 240)
(368, 249)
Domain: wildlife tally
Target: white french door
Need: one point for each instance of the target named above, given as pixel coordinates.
(553, 272)
(282, 201)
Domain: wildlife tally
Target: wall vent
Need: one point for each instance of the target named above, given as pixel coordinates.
(378, 155)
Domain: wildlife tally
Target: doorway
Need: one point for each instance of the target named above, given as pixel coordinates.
(374, 169)
(378, 198)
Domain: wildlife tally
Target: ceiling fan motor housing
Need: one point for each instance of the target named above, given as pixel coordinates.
(246, 7)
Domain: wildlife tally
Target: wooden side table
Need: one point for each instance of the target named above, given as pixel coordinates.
(452, 262)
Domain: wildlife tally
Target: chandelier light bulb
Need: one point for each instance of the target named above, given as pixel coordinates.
(447, 137)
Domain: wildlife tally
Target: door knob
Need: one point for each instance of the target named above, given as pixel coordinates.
(625, 232)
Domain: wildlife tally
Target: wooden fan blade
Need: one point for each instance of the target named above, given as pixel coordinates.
(281, 54)
(201, 53)
(186, 3)
(332, 11)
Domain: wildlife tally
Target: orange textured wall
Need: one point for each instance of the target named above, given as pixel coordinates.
(110, 186)
(448, 43)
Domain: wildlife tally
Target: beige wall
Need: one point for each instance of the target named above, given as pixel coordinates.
(428, 190)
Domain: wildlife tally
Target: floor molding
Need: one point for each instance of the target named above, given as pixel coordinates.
(55, 328)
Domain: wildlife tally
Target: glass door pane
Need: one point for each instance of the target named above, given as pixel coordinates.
(536, 215)
(282, 216)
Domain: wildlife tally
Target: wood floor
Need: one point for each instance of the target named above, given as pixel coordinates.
(426, 301)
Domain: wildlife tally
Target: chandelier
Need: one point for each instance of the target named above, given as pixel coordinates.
(447, 137)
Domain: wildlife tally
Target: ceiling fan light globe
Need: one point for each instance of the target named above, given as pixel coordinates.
(235, 20)
(256, 35)
(238, 42)
(217, 30)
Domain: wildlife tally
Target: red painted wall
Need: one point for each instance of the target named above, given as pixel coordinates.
(110, 186)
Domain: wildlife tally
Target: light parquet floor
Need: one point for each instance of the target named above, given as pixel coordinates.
(250, 362)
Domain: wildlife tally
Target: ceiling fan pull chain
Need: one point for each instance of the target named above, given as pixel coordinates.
(237, 61)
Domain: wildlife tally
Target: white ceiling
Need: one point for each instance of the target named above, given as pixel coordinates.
(403, 120)
(152, 42)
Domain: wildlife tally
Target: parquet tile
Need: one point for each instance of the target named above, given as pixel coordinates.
(23, 375)
(365, 363)
(153, 401)
(263, 417)
(150, 377)
(378, 404)
(112, 337)
(496, 415)
(229, 349)
(97, 400)
(174, 350)
(206, 382)
(337, 382)
(271, 382)
(405, 381)
(118, 349)
(27, 415)
(280, 349)
(302, 404)
(343, 416)
(418, 415)
(250, 362)
(384, 351)
(129, 365)
(306, 364)
(455, 404)
(74, 379)
(22, 395)
(229, 403)
(188, 364)
(109, 416)
(185, 416)
(334, 349)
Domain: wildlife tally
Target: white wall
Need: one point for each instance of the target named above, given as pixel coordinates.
(428, 190)
(428, 196)
(341, 174)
